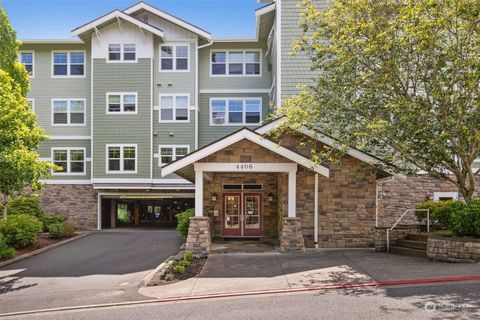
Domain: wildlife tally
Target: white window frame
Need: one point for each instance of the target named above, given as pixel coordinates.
(32, 103)
(121, 146)
(227, 51)
(438, 195)
(122, 51)
(244, 111)
(33, 60)
(69, 173)
(122, 107)
(68, 52)
(174, 45)
(69, 124)
(174, 153)
(174, 107)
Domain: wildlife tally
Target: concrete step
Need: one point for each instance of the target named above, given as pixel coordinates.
(421, 245)
(417, 237)
(408, 251)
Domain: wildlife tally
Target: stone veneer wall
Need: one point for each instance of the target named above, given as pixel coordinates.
(453, 249)
(399, 233)
(76, 202)
(395, 195)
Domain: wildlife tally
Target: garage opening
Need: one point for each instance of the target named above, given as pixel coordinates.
(160, 213)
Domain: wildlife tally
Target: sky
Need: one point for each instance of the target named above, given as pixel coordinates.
(54, 19)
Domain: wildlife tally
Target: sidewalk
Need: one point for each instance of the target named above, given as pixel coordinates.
(224, 273)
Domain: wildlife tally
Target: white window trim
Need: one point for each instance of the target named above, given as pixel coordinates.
(174, 95)
(32, 102)
(68, 124)
(68, 64)
(244, 111)
(174, 154)
(121, 171)
(438, 195)
(227, 51)
(33, 60)
(122, 51)
(69, 173)
(121, 94)
(174, 56)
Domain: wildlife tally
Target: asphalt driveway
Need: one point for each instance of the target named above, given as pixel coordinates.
(103, 267)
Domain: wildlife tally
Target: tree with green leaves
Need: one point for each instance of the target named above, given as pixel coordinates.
(397, 78)
(20, 166)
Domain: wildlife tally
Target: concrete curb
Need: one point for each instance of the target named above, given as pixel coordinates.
(44, 249)
(149, 276)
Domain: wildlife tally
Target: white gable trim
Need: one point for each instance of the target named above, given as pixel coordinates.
(117, 14)
(322, 138)
(240, 135)
(168, 17)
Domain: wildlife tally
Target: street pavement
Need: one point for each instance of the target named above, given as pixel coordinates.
(431, 301)
(103, 267)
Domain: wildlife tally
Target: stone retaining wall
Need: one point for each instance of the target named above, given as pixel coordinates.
(199, 239)
(291, 236)
(453, 249)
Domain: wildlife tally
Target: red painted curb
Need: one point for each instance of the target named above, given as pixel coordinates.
(322, 287)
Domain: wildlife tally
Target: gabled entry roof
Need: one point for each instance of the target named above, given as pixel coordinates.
(237, 136)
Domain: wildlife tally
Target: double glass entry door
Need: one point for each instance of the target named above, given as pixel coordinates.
(242, 215)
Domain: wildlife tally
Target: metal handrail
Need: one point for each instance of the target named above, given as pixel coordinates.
(401, 217)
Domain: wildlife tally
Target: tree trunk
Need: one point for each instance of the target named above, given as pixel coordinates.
(5, 202)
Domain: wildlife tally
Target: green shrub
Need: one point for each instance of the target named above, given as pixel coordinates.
(20, 230)
(6, 251)
(56, 230)
(179, 269)
(466, 222)
(188, 256)
(51, 219)
(169, 276)
(441, 212)
(25, 205)
(69, 229)
(183, 221)
(184, 263)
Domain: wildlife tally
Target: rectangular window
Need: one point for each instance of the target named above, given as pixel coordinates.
(174, 57)
(235, 111)
(68, 111)
(68, 64)
(121, 158)
(168, 153)
(445, 196)
(27, 58)
(122, 52)
(121, 102)
(70, 160)
(174, 108)
(236, 63)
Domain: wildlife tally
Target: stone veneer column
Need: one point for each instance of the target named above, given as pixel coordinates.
(291, 235)
(199, 239)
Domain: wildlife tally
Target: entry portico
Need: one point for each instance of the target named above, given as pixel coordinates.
(257, 180)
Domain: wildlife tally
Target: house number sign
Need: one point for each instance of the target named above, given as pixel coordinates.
(244, 166)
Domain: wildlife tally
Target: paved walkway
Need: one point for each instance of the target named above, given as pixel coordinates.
(103, 267)
(246, 272)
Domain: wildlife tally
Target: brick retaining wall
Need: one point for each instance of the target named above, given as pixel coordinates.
(453, 249)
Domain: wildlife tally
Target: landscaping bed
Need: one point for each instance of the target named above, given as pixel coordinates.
(43, 240)
(183, 266)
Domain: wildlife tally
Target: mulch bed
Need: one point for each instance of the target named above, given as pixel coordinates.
(43, 240)
(190, 272)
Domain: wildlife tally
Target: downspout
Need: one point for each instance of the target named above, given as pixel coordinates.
(315, 213)
(197, 93)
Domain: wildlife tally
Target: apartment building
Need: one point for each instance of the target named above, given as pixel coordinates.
(149, 115)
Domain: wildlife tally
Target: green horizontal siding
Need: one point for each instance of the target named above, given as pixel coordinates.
(208, 133)
(44, 88)
(244, 82)
(118, 128)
